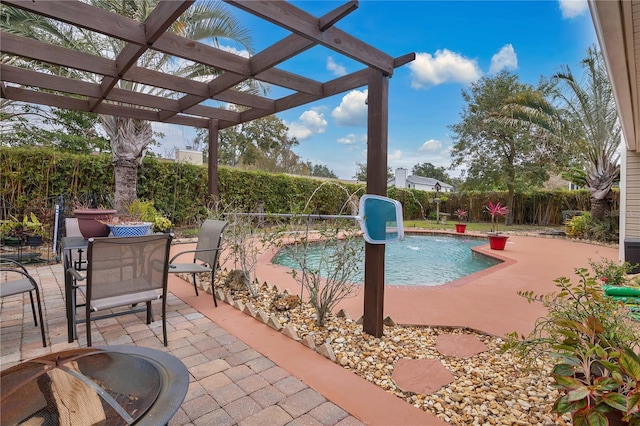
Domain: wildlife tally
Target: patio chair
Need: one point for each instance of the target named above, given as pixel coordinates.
(205, 255)
(121, 272)
(14, 279)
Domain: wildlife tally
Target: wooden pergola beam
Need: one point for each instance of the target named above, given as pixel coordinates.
(377, 135)
(306, 25)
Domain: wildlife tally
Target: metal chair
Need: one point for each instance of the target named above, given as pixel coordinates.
(16, 280)
(124, 271)
(205, 255)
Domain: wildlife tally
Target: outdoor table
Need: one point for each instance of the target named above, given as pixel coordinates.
(68, 245)
(108, 385)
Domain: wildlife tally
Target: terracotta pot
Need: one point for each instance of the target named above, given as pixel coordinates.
(497, 241)
(88, 222)
(461, 227)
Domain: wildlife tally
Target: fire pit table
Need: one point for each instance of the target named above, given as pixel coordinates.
(109, 385)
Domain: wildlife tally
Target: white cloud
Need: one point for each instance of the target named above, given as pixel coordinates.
(443, 67)
(432, 151)
(572, 8)
(352, 111)
(352, 139)
(311, 123)
(396, 154)
(506, 58)
(431, 145)
(335, 68)
(244, 53)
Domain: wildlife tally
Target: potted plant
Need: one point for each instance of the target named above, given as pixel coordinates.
(33, 230)
(139, 217)
(593, 346)
(89, 220)
(162, 224)
(461, 227)
(497, 241)
(11, 230)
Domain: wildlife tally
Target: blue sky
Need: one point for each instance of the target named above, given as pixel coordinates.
(456, 43)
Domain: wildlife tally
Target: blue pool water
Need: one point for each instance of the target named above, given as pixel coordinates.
(419, 260)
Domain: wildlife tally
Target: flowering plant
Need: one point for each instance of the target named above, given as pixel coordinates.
(461, 213)
(496, 210)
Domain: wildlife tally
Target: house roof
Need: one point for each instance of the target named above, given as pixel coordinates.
(419, 180)
(617, 24)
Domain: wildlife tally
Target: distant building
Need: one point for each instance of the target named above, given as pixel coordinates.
(557, 182)
(401, 180)
(189, 156)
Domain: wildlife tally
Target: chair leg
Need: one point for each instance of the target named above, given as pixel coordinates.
(164, 320)
(88, 327)
(149, 313)
(44, 340)
(195, 285)
(33, 309)
(213, 289)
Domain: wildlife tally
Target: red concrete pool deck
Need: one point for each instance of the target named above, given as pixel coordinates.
(486, 301)
(324, 393)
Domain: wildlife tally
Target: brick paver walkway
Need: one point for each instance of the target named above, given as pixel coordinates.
(230, 382)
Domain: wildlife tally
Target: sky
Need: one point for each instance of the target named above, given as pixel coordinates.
(455, 42)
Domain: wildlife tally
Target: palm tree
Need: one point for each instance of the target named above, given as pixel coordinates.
(206, 20)
(590, 107)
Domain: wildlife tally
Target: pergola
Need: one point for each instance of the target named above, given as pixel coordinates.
(188, 105)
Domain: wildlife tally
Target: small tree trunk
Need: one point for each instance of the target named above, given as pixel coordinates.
(600, 208)
(126, 173)
(508, 219)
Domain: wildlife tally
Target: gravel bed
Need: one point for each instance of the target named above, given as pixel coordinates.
(490, 388)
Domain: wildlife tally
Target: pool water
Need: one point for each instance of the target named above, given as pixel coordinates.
(418, 260)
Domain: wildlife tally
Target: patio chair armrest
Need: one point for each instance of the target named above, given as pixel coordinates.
(4, 260)
(76, 275)
(176, 243)
(192, 251)
(17, 271)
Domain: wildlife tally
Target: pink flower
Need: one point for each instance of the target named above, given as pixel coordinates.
(496, 210)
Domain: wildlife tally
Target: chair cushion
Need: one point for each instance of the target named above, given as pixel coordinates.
(15, 287)
(188, 268)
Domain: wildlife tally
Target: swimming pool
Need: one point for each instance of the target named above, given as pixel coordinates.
(419, 260)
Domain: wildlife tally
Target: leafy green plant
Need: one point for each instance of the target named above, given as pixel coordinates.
(331, 278)
(610, 272)
(31, 225)
(585, 333)
(586, 228)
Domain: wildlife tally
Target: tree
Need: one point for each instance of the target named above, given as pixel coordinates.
(320, 170)
(428, 170)
(261, 143)
(67, 130)
(500, 153)
(361, 172)
(130, 138)
(593, 118)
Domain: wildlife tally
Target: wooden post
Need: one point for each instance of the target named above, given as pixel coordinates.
(212, 161)
(377, 133)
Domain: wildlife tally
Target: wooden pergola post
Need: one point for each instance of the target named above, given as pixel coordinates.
(377, 134)
(212, 161)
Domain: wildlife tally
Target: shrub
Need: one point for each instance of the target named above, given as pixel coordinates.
(610, 272)
(585, 227)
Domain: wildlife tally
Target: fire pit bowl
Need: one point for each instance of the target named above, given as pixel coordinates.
(110, 385)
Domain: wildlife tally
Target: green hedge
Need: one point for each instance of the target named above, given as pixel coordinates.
(34, 177)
